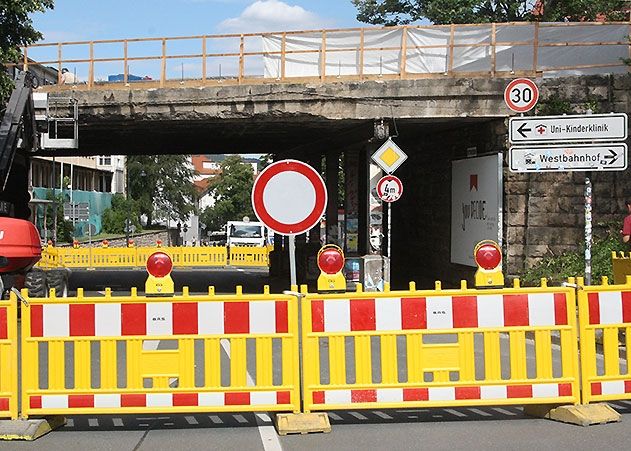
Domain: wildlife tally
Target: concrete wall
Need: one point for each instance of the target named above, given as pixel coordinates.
(545, 212)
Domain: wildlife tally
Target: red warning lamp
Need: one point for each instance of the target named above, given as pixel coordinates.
(159, 282)
(488, 256)
(331, 260)
(159, 264)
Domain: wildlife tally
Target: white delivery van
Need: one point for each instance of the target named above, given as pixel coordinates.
(245, 233)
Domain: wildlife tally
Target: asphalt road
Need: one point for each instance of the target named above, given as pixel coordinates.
(224, 280)
(485, 428)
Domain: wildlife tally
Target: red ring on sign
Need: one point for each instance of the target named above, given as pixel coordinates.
(389, 178)
(289, 166)
(530, 105)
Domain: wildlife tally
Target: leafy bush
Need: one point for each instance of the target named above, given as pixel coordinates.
(572, 264)
(115, 217)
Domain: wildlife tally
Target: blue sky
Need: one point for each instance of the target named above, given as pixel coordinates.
(78, 20)
(95, 20)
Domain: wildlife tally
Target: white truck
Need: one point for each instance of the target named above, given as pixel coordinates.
(245, 233)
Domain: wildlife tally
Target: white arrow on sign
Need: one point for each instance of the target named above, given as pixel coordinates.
(600, 157)
(550, 129)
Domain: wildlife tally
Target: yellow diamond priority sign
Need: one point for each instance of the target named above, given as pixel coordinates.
(389, 156)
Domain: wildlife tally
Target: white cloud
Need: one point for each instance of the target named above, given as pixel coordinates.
(272, 15)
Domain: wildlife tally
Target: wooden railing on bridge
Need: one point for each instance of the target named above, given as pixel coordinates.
(470, 50)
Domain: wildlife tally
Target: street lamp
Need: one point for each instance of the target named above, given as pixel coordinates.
(127, 199)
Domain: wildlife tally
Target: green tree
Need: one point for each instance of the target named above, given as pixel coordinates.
(65, 230)
(16, 29)
(162, 185)
(115, 217)
(395, 12)
(232, 191)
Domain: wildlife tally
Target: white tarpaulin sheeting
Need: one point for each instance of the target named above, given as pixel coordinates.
(428, 50)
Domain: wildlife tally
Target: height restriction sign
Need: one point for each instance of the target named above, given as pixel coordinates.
(389, 188)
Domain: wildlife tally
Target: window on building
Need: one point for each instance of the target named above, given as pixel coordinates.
(105, 160)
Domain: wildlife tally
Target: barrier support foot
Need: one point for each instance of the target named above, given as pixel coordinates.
(30, 429)
(302, 423)
(581, 414)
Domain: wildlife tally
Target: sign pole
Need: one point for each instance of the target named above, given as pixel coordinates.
(292, 260)
(588, 230)
(389, 228)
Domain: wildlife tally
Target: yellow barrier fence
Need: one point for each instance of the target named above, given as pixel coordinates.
(133, 257)
(249, 256)
(605, 332)
(132, 354)
(621, 264)
(439, 348)
(8, 359)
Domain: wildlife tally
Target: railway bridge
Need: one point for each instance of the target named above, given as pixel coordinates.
(331, 97)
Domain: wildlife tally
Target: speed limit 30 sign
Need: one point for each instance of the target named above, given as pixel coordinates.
(521, 95)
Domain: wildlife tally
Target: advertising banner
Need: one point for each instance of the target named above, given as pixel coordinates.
(476, 205)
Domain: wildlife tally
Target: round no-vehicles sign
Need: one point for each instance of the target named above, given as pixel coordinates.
(289, 197)
(521, 95)
(389, 188)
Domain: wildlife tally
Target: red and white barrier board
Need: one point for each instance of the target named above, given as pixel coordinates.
(158, 319)
(439, 312)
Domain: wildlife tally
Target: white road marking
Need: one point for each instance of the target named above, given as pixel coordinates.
(269, 437)
(264, 417)
(504, 411)
(150, 345)
(383, 415)
(215, 419)
(240, 418)
(480, 412)
(358, 415)
(455, 412)
(191, 420)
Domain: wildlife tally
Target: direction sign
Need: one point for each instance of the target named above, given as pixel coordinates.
(521, 95)
(551, 129)
(389, 188)
(289, 197)
(576, 157)
(389, 156)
